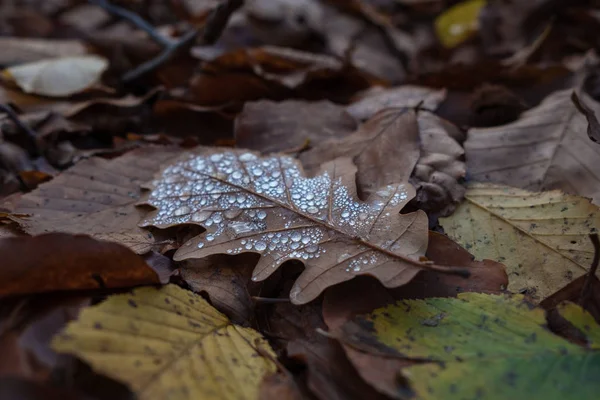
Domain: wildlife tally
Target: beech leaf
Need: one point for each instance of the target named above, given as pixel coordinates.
(266, 206)
(547, 148)
(542, 238)
(169, 343)
(481, 346)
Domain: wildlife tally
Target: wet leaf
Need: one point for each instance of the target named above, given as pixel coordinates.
(267, 206)
(169, 343)
(547, 148)
(58, 77)
(95, 197)
(501, 340)
(542, 238)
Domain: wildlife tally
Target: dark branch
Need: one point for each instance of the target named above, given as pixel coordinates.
(586, 291)
(215, 24)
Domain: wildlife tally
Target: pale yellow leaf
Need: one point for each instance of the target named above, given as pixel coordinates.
(169, 343)
(541, 238)
(58, 77)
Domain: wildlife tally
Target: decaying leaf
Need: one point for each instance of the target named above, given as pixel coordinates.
(96, 197)
(593, 130)
(58, 261)
(486, 346)
(169, 343)
(371, 101)
(542, 238)
(266, 206)
(547, 148)
(58, 77)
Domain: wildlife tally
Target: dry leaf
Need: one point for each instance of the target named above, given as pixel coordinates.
(95, 197)
(267, 206)
(385, 150)
(225, 279)
(593, 130)
(269, 126)
(547, 148)
(58, 261)
(397, 144)
(371, 101)
(58, 77)
(542, 238)
(169, 343)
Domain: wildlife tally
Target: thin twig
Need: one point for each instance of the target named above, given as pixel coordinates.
(20, 124)
(215, 24)
(586, 291)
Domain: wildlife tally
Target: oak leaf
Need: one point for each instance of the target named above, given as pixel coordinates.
(266, 206)
(547, 148)
(542, 238)
(169, 343)
(503, 341)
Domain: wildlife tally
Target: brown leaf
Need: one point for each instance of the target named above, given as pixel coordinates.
(377, 98)
(330, 374)
(547, 148)
(269, 126)
(279, 386)
(24, 389)
(267, 206)
(226, 280)
(59, 261)
(572, 293)
(385, 150)
(397, 144)
(96, 197)
(275, 72)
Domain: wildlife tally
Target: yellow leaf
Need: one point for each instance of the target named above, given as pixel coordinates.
(169, 343)
(58, 77)
(458, 23)
(542, 238)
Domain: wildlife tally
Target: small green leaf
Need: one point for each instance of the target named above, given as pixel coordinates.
(458, 23)
(482, 346)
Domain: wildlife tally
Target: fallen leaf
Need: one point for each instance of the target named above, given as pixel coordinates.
(542, 238)
(169, 343)
(58, 77)
(267, 206)
(547, 148)
(24, 389)
(373, 100)
(226, 280)
(270, 126)
(501, 340)
(280, 386)
(458, 23)
(58, 261)
(572, 293)
(96, 197)
(385, 150)
(583, 321)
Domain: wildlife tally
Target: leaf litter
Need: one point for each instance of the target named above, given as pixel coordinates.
(102, 101)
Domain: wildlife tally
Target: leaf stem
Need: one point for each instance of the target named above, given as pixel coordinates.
(586, 291)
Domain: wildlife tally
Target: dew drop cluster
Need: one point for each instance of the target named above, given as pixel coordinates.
(267, 205)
